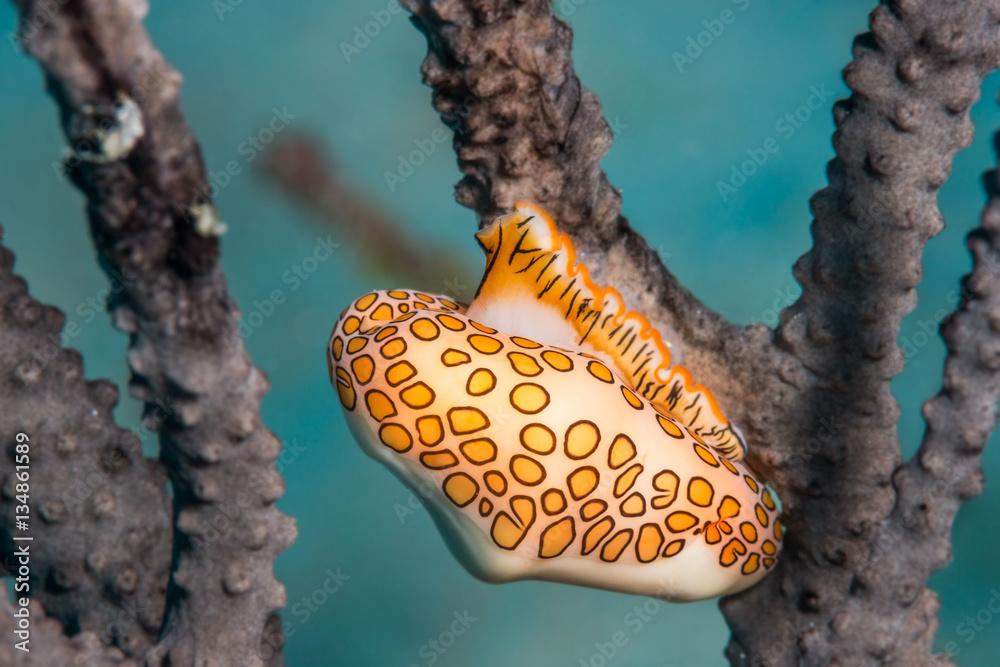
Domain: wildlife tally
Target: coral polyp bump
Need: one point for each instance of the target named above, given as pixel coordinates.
(548, 430)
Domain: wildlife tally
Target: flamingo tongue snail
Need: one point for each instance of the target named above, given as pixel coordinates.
(548, 431)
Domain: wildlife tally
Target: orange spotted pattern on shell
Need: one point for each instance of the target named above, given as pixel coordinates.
(526, 502)
(545, 450)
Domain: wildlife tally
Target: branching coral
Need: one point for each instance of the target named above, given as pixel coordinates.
(52, 647)
(102, 549)
(865, 529)
(154, 228)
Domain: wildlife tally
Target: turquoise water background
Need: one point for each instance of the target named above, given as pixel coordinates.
(370, 582)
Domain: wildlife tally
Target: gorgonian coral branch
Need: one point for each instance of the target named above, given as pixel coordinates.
(525, 128)
(813, 397)
(155, 232)
(947, 469)
(49, 646)
(100, 553)
(853, 584)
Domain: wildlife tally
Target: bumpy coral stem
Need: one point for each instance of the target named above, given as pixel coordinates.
(855, 588)
(49, 646)
(100, 527)
(152, 222)
(813, 396)
(525, 128)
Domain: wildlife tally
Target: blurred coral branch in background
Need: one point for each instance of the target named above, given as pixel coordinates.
(297, 165)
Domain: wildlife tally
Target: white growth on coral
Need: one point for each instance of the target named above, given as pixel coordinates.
(116, 141)
(206, 220)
